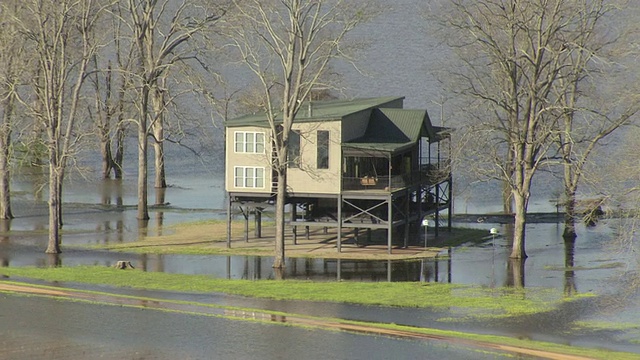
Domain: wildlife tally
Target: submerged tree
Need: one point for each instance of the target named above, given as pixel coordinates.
(60, 35)
(515, 56)
(596, 93)
(288, 46)
(161, 31)
(11, 60)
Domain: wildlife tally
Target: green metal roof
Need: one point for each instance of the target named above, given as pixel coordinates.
(393, 130)
(320, 111)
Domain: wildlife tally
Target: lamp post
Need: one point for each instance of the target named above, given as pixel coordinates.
(493, 231)
(425, 223)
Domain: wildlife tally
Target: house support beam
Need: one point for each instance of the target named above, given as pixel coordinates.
(229, 203)
(294, 215)
(389, 223)
(437, 224)
(407, 204)
(258, 219)
(339, 235)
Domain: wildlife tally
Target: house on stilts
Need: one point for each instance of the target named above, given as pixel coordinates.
(363, 164)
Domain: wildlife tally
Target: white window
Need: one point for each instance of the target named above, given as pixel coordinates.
(249, 142)
(249, 177)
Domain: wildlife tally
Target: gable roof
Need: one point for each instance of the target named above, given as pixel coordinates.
(392, 130)
(318, 111)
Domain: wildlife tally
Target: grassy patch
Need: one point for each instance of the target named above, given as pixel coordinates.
(469, 300)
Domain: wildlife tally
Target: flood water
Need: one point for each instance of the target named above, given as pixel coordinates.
(100, 212)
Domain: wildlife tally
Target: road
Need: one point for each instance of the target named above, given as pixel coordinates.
(46, 324)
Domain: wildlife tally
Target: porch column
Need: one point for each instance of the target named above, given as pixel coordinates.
(389, 223)
(339, 235)
(407, 208)
(258, 219)
(228, 221)
(437, 224)
(245, 214)
(294, 215)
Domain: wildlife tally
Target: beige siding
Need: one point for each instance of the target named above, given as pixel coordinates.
(234, 159)
(308, 178)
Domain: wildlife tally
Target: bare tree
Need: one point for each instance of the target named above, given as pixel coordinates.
(514, 55)
(10, 58)
(60, 34)
(596, 93)
(161, 32)
(288, 45)
(111, 82)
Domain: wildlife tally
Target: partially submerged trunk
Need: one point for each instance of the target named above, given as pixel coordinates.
(516, 274)
(518, 245)
(158, 137)
(570, 217)
(281, 198)
(143, 132)
(5, 171)
(53, 245)
(143, 211)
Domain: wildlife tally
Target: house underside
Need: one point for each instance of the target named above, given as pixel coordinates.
(391, 191)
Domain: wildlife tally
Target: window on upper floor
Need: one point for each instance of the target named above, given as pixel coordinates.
(249, 177)
(251, 142)
(323, 149)
(294, 149)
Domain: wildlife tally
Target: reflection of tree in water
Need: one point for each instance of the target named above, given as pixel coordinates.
(112, 192)
(5, 227)
(515, 273)
(569, 275)
(515, 267)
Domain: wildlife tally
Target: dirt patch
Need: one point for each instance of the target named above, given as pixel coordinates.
(317, 243)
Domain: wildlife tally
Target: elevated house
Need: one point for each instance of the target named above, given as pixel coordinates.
(359, 164)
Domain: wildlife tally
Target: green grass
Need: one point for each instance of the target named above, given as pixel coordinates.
(469, 300)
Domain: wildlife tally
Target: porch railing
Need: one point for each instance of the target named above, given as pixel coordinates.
(428, 174)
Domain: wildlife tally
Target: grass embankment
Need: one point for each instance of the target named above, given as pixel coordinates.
(468, 300)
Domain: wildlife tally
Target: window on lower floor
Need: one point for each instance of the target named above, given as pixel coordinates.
(249, 177)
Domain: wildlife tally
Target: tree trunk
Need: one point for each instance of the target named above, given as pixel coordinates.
(516, 274)
(5, 171)
(53, 246)
(570, 217)
(518, 250)
(117, 159)
(281, 197)
(143, 211)
(569, 273)
(158, 134)
(105, 151)
(104, 122)
(507, 203)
